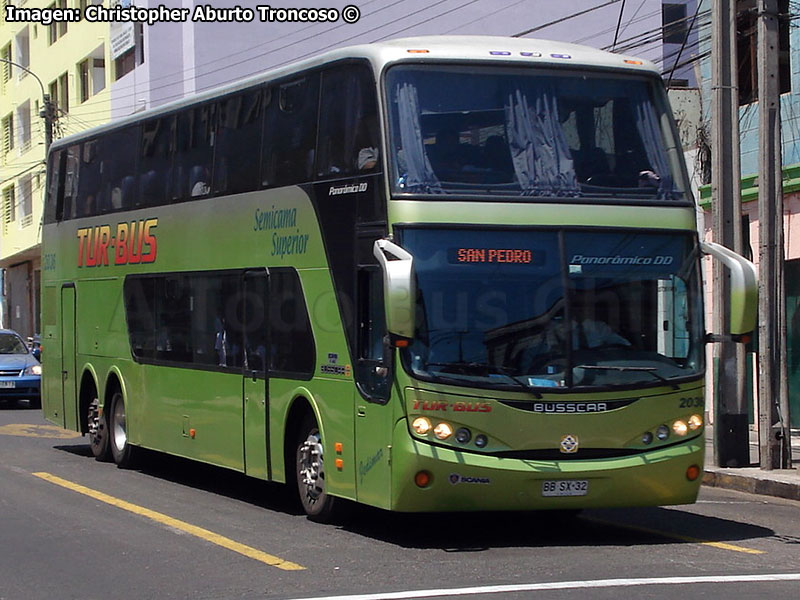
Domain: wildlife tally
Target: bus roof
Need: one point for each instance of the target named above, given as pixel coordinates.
(471, 48)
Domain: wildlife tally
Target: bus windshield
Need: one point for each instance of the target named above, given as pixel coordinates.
(543, 134)
(555, 309)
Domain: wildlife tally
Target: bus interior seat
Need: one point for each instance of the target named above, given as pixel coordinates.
(152, 187)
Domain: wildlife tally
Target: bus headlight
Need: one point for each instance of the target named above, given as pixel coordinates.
(443, 431)
(695, 422)
(680, 428)
(662, 432)
(421, 425)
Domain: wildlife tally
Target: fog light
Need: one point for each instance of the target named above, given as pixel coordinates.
(463, 435)
(692, 473)
(443, 431)
(647, 438)
(680, 428)
(422, 479)
(481, 441)
(421, 425)
(662, 432)
(695, 422)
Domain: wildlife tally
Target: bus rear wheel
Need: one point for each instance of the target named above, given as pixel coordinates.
(121, 449)
(310, 474)
(98, 432)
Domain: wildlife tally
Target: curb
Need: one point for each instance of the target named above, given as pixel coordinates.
(752, 485)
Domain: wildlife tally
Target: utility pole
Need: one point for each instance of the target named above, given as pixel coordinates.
(48, 113)
(773, 394)
(731, 437)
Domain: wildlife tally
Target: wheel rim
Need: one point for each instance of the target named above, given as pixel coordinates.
(119, 433)
(95, 431)
(311, 469)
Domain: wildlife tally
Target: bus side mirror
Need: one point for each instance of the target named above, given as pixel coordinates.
(399, 287)
(743, 289)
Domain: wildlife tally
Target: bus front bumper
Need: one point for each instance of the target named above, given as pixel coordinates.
(462, 481)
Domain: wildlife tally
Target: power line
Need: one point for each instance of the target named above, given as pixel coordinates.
(567, 18)
(619, 22)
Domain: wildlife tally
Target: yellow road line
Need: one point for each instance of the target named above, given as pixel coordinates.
(205, 534)
(677, 536)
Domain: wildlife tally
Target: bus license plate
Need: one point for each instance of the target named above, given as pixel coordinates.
(565, 487)
(8, 384)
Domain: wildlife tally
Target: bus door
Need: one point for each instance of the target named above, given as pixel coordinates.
(255, 386)
(68, 378)
(373, 380)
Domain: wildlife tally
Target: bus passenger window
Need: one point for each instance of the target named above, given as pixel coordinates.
(71, 181)
(89, 184)
(155, 161)
(292, 342)
(119, 174)
(290, 130)
(54, 204)
(348, 129)
(195, 152)
(139, 295)
(238, 143)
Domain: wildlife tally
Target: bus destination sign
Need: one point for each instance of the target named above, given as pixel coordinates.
(513, 256)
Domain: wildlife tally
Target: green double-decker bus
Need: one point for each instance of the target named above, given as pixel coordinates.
(430, 274)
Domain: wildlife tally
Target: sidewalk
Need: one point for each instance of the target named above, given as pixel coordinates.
(784, 483)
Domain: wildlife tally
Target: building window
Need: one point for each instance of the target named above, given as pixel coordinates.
(747, 49)
(91, 75)
(9, 208)
(8, 133)
(673, 21)
(23, 118)
(26, 201)
(83, 78)
(133, 56)
(59, 93)
(22, 46)
(5, 54)
(58, 29)
(98, 74)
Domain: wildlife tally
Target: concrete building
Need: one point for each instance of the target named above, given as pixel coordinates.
(101, 70)
(70, 61)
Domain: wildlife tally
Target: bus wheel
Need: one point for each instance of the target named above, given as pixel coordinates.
(121, 450)
(310, 470)
(98, 432)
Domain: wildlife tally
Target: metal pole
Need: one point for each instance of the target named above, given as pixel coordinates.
(773, 413)
(47, 112)
(731, 437)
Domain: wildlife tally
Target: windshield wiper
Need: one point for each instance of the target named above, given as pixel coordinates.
(648, 370)
(483, 369)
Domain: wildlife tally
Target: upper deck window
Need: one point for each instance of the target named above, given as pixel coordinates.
(488, 131)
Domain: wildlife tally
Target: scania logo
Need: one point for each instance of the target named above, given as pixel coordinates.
(569, 444)
(456, 478)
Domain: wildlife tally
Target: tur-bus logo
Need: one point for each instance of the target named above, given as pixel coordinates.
(132, 243)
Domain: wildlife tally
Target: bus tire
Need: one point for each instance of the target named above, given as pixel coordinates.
(121, 449)
(310, 473)
(97, 427)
